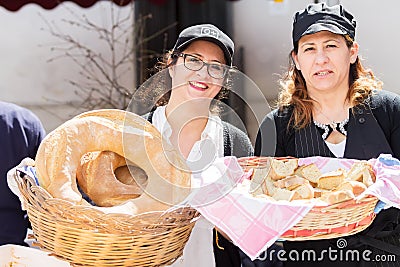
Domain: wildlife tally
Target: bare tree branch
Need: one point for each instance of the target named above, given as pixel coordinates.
(99, 84)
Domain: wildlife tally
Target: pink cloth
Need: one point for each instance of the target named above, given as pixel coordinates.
(254, 224)
(387, 185)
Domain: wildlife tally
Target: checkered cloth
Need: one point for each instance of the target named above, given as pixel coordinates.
(254, 224)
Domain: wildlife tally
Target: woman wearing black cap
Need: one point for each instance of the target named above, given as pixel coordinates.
(186, 113)
(331, 106)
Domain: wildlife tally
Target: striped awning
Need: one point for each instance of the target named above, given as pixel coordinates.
(14, 5)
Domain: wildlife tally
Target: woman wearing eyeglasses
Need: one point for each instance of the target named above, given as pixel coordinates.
(186, 113)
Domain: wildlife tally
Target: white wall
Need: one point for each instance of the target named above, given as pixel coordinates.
(263, 28)
(378, 36)
(26, 78)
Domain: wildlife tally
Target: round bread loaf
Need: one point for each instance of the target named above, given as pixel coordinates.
(126, 134)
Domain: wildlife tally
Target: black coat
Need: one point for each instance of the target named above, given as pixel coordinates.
(275, 139)
(373, 128)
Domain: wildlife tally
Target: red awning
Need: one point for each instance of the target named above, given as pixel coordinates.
(14, 5)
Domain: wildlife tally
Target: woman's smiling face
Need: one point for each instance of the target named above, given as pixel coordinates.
(190, 85)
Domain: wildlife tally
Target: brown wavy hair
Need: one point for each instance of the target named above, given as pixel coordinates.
(294, 93)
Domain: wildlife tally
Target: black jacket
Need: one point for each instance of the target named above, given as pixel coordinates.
(373, 128)
(275, 139)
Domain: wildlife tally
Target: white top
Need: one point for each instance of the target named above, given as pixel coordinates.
(204, 151)
(199, 249)
(337, 149)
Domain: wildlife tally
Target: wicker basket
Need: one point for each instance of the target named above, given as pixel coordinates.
(85, 236)
(324, 222)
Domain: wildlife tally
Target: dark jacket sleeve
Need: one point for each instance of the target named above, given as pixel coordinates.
(386, 109)
(274, 137)
(266, 140)
(240, 144)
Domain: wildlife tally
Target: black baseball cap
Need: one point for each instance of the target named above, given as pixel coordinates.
(207, 32)
(321, 17)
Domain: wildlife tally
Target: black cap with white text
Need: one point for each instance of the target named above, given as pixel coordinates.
(207, 32)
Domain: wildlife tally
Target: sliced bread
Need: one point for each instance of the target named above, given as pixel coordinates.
(310, 172)
(304, 191)
(282, 168)
(268, 187)
(361, 171)
(257, 178)
(354, 186)
(318, 192)
(291, 182)
(334, 197)
(331, 180)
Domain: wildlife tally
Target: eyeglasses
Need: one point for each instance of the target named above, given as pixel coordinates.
(215, 70)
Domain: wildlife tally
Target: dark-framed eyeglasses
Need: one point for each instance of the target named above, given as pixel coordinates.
(215, 70)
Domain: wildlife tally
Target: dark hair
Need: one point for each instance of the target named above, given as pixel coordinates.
(165, 81)
(294, 90)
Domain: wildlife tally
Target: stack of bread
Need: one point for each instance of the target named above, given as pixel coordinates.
(286, 180)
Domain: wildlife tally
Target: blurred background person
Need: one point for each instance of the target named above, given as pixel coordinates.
(21, 133)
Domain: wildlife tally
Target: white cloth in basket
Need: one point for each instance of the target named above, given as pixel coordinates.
(26, 165)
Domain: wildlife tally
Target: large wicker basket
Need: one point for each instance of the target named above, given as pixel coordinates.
(85, 236)
(324, 222)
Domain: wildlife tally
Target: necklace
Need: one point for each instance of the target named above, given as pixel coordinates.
(327, 128)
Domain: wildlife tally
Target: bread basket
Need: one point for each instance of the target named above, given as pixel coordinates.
(84, 236)
(325, 222)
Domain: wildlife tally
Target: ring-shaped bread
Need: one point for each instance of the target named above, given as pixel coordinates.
(108, 179)
(126, 134)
